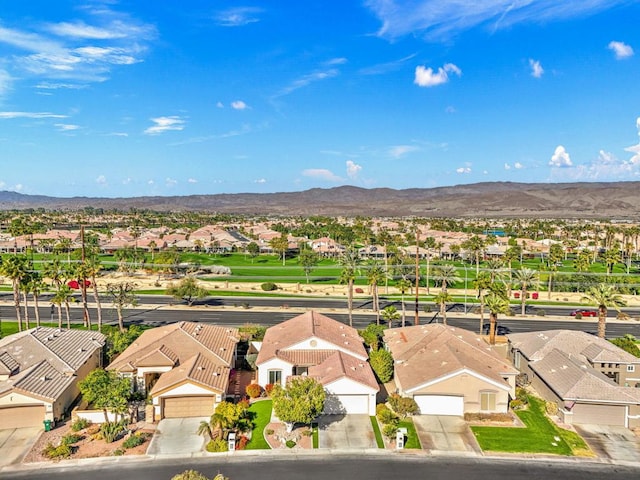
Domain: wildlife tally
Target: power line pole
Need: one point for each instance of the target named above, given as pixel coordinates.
(417, 316)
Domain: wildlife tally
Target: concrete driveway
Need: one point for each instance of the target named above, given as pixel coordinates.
(177, 436)
(345, 432)
(15, 443)
(614, 443)
(445, 433)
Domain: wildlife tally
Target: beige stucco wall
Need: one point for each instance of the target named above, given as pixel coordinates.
(468, 386)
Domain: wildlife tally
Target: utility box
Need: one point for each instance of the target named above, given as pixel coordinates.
(232, 441)
(400, 435)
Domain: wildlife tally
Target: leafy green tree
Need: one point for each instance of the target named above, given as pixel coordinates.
(118, 340)
(582, 262)
(195, 475)
(556, 254)
(106, 391)
(372, 335)
(253, 250)
(628, 343)
(475, 246)
(122, 296)
(308, 259)
(604, 295)
(281, 245)
(187, 290)
(301, 401)
(382, 364)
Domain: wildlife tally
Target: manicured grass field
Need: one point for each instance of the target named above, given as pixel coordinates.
(262, 412)
(541, 435)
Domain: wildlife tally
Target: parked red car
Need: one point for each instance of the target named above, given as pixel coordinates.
(585, 313)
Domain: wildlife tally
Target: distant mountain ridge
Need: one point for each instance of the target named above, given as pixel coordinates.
(618, 200)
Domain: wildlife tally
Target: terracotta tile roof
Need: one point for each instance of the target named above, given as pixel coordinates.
(426, 353)
(310, 325)
(161, 356)
(340, 365)
(305, 358)
(586, 347)
(197, 369)
(179, 342)
(572, 379)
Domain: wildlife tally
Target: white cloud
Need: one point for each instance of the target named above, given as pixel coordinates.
(150, 182)
(463, 170)
(399, 151)
(117, 134)
(425, 77)
(620, 49)
(322, 174)
(438, 20)
(170, 182)
(239, 105)
(260, 180)
(165, 124)
(336, 61)
(306, 80)
(10, 115)
(192, 180)
(507, 166)
(606, 157)
(5, 82)
(387, 67)
(101, 180)
(65, 127)
(220, 105)
(353, 169)
(536, 68)
(18, 187)
(238, 17)
(126, 181)
(518, 166)
(635, 149)
(560, 158)
(450, 109)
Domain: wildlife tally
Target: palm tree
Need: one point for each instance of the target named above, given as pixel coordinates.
(122, 295)
(349, 261)
(403, 285)
(442, 298)
(604, 295)
(82, 271)
(526, 277)
(93, 267)
(447, 275)
(496, 304)
(389, 314)
(15, 268)
(375, 276)
(36, 286)
(475, 246)
(482, 283)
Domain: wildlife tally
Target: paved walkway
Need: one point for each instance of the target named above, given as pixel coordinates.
(445, 433)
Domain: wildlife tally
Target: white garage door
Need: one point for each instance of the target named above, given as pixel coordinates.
(337, 404)
(440, 404)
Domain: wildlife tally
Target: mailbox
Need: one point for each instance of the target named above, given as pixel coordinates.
(232, 441)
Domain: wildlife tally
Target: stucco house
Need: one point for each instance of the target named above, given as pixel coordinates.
(39, 373)
(590, 379)
(184, 367)
(315, 345)
(450, 371)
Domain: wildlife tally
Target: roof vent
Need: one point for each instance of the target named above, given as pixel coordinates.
(44, 379)
(81, 349)
(216, 374)
(222, 349)
(200, 367)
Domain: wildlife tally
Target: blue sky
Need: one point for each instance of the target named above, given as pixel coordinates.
(129, 98)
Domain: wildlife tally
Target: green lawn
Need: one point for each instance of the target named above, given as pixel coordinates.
(376, 432)
(262, 415)
(412, 441)
(541, 435)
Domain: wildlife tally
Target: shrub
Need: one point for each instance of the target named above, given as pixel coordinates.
(118, 452)
(55, 453)
(290, 443)
(269, 286)
(403, 406)
(111, 431)
(80, 424)
(551, 408)
(517, 404)
(268, 388)
(217, 445)
(578, 316)
(521, 394)
(623, 316)
(384, 415)
(269, 431)
(382, 364)
(390, 430)
(540, 312)
(253, 390)
(134, 440)
(71, 438)
(241, 444)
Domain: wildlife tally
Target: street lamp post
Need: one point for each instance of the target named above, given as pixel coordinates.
(465, 289)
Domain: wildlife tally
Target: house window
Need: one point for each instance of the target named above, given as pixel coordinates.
(487, 401)
(631, 368)
(275, 376)
(300, 370)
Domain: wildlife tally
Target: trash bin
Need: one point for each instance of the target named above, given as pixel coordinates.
(48, 424)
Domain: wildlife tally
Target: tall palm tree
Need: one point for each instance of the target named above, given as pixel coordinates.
(447, 275)
(82, 272)
(15, 268)
(496, 304)
(375, 275)
(36, 286)
(442, 298)
(475, 246)
(403, 285)
(93, 268)
(604, 296)
(482, 283)
(349, 261)
(525, 277)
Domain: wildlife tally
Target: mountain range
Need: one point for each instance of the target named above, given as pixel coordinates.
(586, 200)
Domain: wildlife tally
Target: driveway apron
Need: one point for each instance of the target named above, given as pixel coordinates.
(445, 433)
(16, 442)
(177, 436)
(610, 442)
(345, 432)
